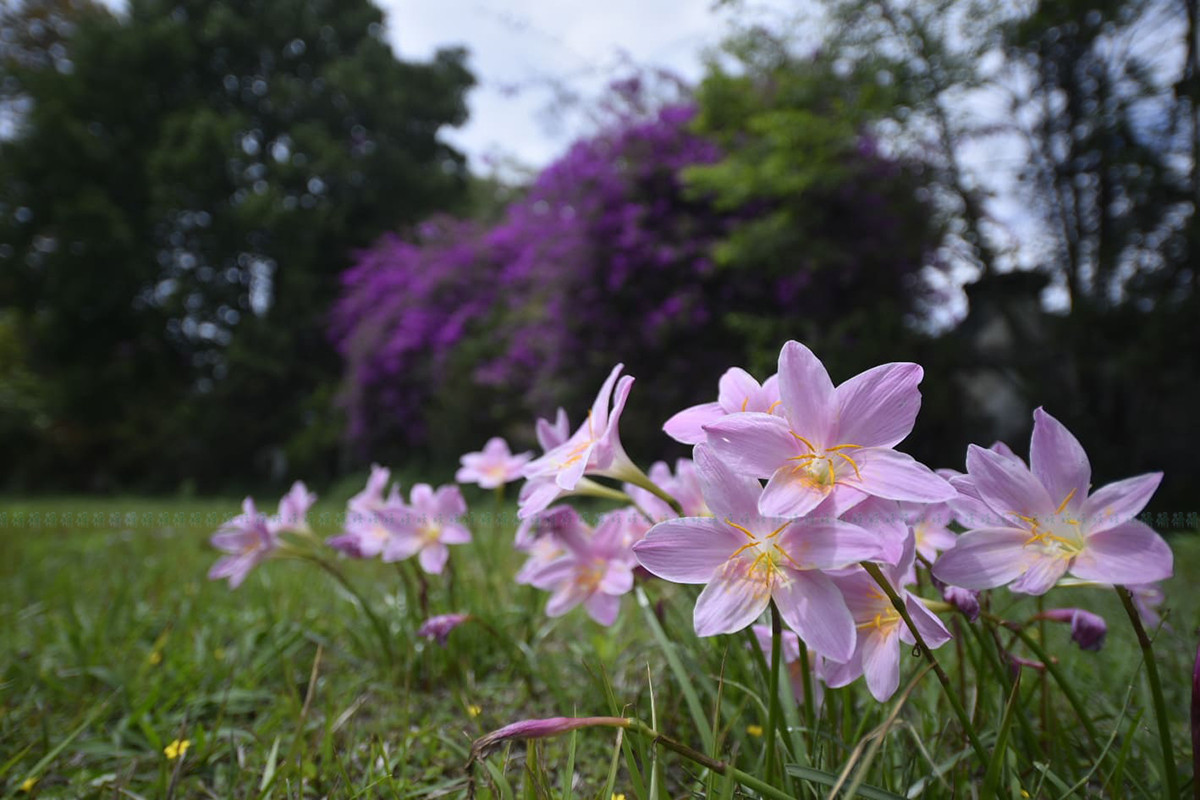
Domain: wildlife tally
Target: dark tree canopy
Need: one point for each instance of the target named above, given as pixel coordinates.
(183, 187)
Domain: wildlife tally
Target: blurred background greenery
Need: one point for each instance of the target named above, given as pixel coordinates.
(236, 251)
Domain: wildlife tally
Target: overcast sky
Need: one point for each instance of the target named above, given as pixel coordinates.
(519, 48)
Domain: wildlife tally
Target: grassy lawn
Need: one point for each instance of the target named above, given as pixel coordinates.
(113, 645)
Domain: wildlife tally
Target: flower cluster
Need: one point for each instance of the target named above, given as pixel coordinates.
(796, 500)
(798, 497)
(395, 530)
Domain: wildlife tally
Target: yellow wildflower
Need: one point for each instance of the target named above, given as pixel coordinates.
(27, 784)
(754, 730)
(474, 711)
(177, 748)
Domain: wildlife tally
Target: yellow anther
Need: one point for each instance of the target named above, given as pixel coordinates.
(1066, 500)
(791, 560)
(853, 465)
(733, 524)
(742, 549)
(778, 530)
(806, 442)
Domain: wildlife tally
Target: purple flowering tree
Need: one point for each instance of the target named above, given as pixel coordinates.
(609, 256)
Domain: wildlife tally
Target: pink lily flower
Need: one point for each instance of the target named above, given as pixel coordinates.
(1049, 523)
(538, 493)
(883, 518)
(881, 629)
(684, 486)
(930, 525)
(831, 442)
(293, 509)
(1147, 597)
(248, 539)
(551, 434)
(368, 528)
(592, 568)
(371, 498)
(493, 467)
(366, 533)
(737, 391)
(594, 449)
(747, 559)
(432, 523)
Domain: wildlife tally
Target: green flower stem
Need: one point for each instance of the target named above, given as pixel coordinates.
(497, 505)
(1160, 705)
(589, 487)
(897, 603)
(810, 707)
(719, 767)
(772, 737)
(642, 481)
(1055, 672)
(385, 638)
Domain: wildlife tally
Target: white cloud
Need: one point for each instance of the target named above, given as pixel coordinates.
(521, 49)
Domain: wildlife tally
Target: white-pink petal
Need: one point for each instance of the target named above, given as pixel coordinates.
(814, 608)
(881, 662)
(898, 476)
(878, 408)
(687, 426)
(1059, 462)
(734, 598)
(830, 544)
(984, 559)
(753, 443)
(807, 394)
(1130, 553)
(1117, 503)
(1006, 486)
(928, 625)
(788, 494)
(688, 550)
(433, 557)
(728, 494)
(1043, 572)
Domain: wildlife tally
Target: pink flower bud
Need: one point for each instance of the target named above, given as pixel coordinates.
(1087, 629)
(539, 729)
(438, 628)
(965, 600)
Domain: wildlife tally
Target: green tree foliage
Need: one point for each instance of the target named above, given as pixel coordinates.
(184, 185)
(816, 202)
(1084, 113)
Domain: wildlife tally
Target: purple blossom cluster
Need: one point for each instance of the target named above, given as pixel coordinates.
(609, 256)
(554, 277)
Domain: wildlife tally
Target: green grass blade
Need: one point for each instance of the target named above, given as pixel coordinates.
(820, 776)
(995, 770)
(268, 776)
(684, 678)
(45, 760)
(569, 777)
(613, 765)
